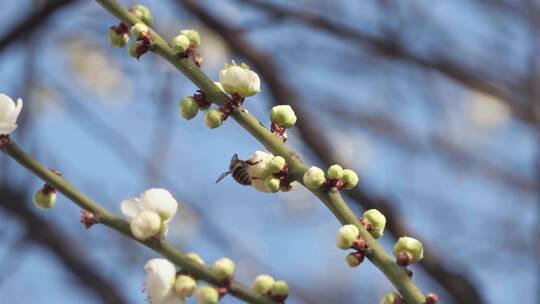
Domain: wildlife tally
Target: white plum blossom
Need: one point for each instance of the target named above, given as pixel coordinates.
(240, 80)
(159, 282)
(257, 171)
(150, 213)
(8, 114)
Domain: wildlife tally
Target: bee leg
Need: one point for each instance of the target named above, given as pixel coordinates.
(251, 163)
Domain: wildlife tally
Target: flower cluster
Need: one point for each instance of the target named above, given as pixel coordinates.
(269, 173)
(119, 34)
(337, 177)
(150, 213)
(9, 112)
(282, 117)
(348, 237)
(266, 285)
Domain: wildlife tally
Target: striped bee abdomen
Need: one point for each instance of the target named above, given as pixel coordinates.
(240, 173)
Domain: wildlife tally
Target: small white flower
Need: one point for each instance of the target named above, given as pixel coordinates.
(150, 212)
(258, 171)
(159, 282)
(8, 114)
(240, 80)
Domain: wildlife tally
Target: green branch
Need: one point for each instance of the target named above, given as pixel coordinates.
(332, 199)
(105, 217)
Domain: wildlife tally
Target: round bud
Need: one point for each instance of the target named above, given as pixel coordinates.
(346, 235)
(353, 260)
(350, 178)
(179, 44)
(335, 172)
(142, 12)
(314, 178)
(377, 221)
(283, 115)
(408, 250)
(272, 184)
(276, 164)
(193, 37)
(207, 295)
(145, 225)
(223, 269)
(139, 29)
(212, 118)
(45, 199)
(192, 256)
(391, 298)
(188, 108)
(279, 291)
(118, 40)
(263, 284)
(132, 49)
(184, 286)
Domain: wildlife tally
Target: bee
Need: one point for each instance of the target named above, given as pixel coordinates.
(238, 169)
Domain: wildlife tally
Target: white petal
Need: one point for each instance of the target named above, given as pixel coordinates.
(145, 225)
(258, 185)
(7, 128)
(17, 110)
(160, 276)
(7, 107)
(130, 208)
(261, 159)
(160, 201)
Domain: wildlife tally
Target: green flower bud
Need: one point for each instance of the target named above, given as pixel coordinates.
(283, 115)
(193, 37)
(391, 298)
(45, 200)
(349, 178)
(188, 108)
(184, 286)
(263, 284)
(118, 40)
(346, 235)
(207, 295)
(179, 44)
(272, 184)
(279, 291)
(142, 12)
(377, 221)
(408, 250)
(223, 269)
(132, 49)
(335, 172)
(212, 118)
(276, 164)
(192, 256)
(139, 29)
(314, 178)
(353, 260)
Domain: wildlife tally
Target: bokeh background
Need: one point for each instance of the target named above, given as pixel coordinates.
(434, 103)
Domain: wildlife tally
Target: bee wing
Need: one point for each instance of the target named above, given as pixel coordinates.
(222, 176)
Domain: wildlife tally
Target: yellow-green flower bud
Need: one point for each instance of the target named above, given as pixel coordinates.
(346, 235)
(139, 29)
(391, 298)
(132, 49)
(283, 115)
(408, 250)
(223, 269)
(193, 37)
(279, 291)
(192, 256)
(314, 178)
(377, 221)
(118, 40)
(188, 108)
(350, 178)
(207, 295)
(143, 13)
(179, 44)
(263, 284)
(353, 260)
(184, 286)
(276, 164)
(45, 200)
(272, 184)
(335, 172)
(212, 118)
